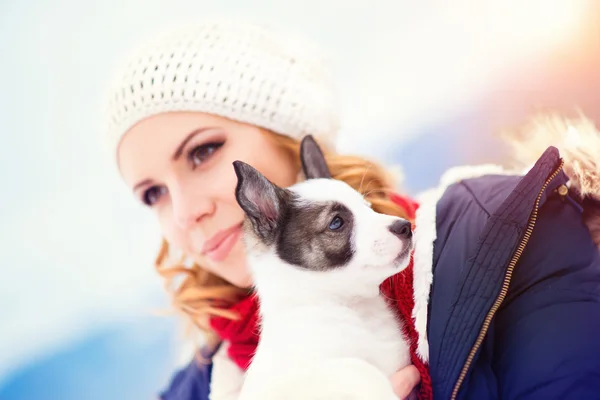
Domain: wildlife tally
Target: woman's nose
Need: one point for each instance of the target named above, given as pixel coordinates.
(189, 208)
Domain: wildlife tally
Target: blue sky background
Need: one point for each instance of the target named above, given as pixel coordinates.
(78, 293)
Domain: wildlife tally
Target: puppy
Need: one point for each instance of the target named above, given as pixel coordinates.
(318, 254)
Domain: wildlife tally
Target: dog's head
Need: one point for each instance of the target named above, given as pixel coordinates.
(319, 233)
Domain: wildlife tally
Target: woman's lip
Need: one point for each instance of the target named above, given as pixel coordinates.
(217, 238)
(225, 240)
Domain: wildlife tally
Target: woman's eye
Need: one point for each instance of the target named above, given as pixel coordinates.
(336, 223)
(200, 154)
(153, 194)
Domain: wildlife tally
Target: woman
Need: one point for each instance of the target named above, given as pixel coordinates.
(494, 280)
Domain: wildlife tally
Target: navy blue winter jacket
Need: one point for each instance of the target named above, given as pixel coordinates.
(514, 307)
(190, 383)
(515, 303)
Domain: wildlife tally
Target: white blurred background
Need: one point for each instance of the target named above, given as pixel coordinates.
(425, 84)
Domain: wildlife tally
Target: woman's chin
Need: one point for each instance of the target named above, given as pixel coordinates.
(234, 268)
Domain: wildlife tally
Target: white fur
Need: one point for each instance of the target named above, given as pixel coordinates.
(328, 334)
(227, 378)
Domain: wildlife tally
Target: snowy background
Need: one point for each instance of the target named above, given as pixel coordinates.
(425, 84)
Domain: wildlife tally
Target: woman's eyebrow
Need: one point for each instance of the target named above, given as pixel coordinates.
(142, 183)
(189, 137)
(177, 153)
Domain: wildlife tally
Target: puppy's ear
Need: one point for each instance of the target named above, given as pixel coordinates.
(261, 200)
(313, 160)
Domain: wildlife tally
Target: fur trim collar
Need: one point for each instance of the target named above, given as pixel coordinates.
(424, 237)
(578, 141)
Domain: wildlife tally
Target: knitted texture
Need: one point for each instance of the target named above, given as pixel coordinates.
(239, 70)
(242, 334)
(398, 290)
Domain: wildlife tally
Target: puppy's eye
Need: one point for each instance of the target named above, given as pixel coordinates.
(336, 223)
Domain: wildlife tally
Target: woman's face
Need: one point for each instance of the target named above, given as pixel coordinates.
(180, 165)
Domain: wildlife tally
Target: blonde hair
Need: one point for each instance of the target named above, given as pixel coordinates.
(199, 294)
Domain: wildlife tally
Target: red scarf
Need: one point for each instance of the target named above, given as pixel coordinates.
(242, 334)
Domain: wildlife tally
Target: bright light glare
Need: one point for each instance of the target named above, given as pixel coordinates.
(537, 23)
(446, 59)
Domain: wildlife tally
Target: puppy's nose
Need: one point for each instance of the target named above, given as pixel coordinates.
(401, 228)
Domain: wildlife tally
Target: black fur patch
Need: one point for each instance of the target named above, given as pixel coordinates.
(306, 240)
(313, 160)
(262, 201)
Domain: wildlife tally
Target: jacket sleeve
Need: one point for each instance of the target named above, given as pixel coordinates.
(547, 331)
(189, 383)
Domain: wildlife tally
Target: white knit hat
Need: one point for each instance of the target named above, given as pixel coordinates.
(235, 69)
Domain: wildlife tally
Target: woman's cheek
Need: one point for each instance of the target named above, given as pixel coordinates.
(175, 237)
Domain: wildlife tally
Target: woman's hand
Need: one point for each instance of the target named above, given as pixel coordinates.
(405, 381)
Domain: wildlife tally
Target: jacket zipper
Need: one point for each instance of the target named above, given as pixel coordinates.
(505, 284)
